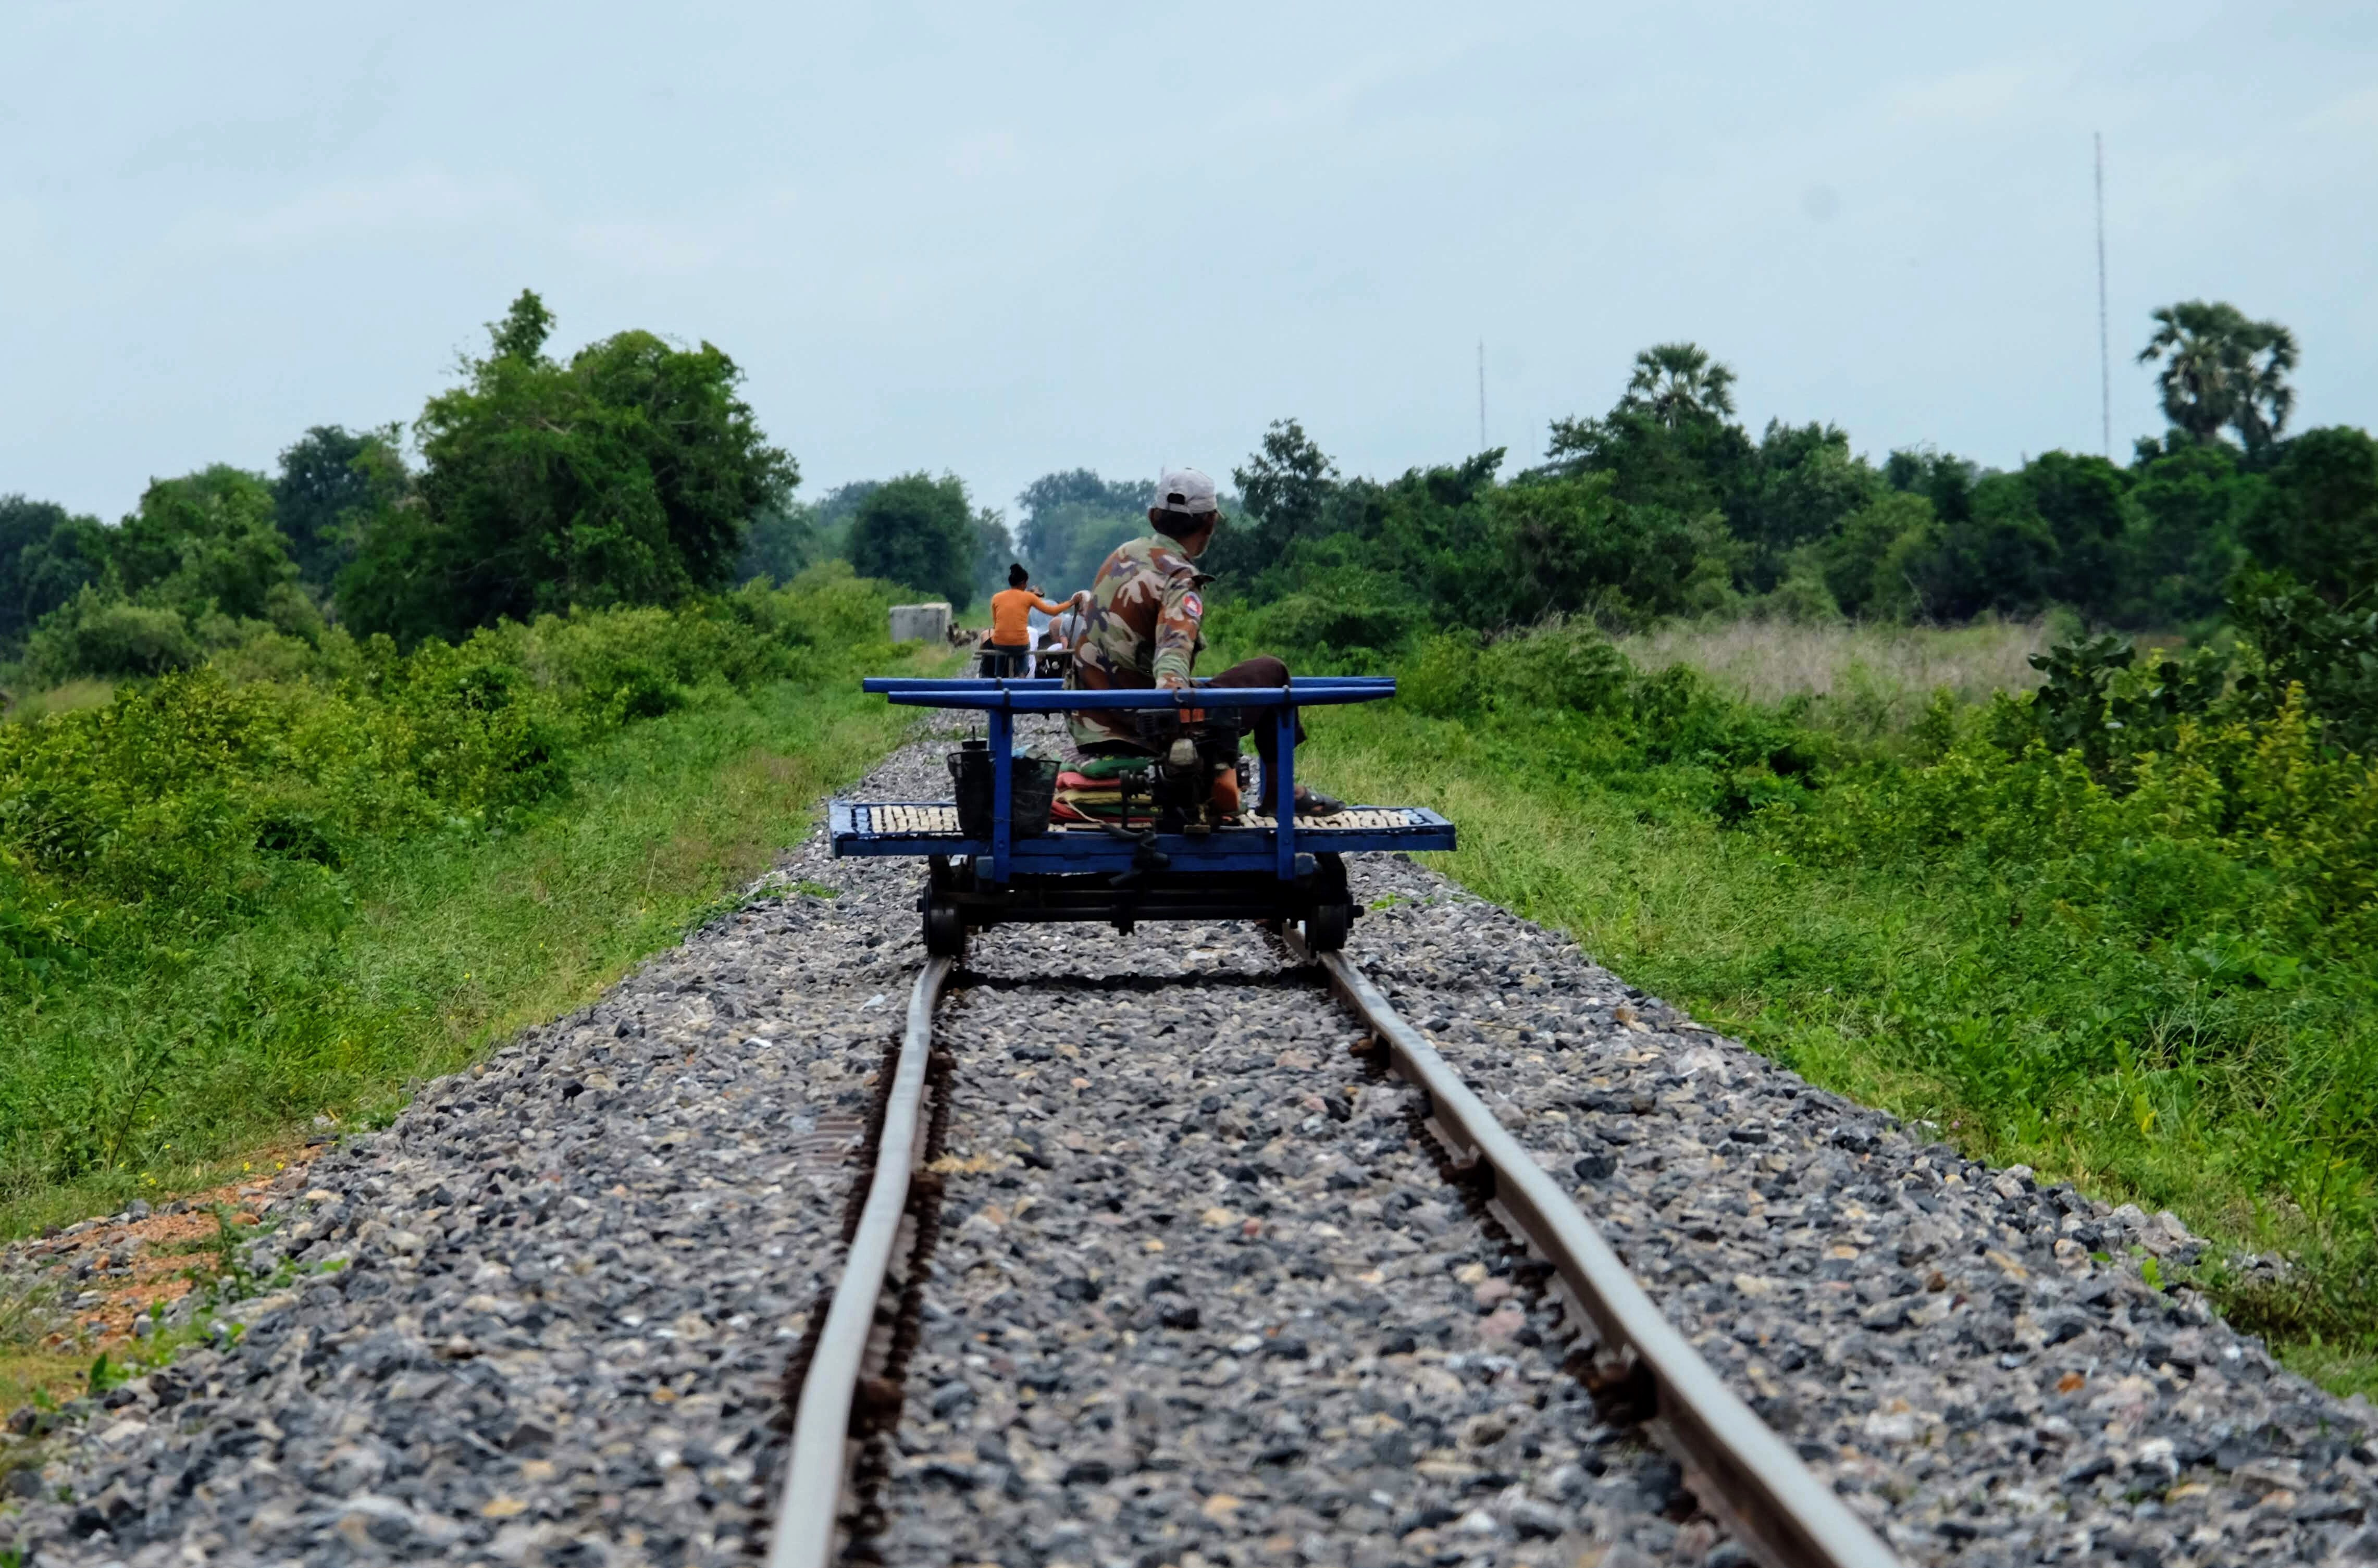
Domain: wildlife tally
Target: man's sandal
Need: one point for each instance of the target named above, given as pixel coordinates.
(1312, 803)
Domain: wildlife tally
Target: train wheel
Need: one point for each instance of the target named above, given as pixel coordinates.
(1325, 928)
(945, 932)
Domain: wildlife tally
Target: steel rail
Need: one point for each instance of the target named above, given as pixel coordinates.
(1747, 1476)
(810, 1499)
(1756, 1484)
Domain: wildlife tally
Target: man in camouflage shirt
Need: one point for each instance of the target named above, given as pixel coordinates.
(1141, 629)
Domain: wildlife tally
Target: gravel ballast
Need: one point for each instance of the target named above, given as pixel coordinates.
(544, 1317)
(1975, 1361)
(1200, 1293)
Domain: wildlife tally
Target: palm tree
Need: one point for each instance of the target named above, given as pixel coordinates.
(2219, 368)
(2199, 344)
(1676, 382)
(2264, 398)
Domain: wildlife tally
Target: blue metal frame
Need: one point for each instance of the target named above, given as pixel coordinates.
(1038, 696)
(1283, 792)
(1081, 849)
(1281, 850)
(1002, 793)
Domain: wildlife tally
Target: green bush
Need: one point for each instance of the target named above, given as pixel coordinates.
(1359, 630)
(197, 567)
(2101, 701)
(1441, 677)
(1563, 667)
(105, 636)
(183, 868)
(1801, 596)
(173, 809)
(2331, 655)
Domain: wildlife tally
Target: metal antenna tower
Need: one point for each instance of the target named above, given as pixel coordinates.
(2104, 354)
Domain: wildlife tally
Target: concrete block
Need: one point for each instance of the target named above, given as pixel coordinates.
(920, 623)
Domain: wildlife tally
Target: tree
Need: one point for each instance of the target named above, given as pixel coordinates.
(24, 525)
(2194, 341)
(1077, 487)
(1574, 546)
(2305, 641)
(74, 558)
(1283, 489)
(521, 333)
(1979, 542)
(782, 543)
(1071, 541)
(1891, 529)
(2084, 502)
(1073, 521)
(333, 481)
(2218, 368)
(2317, 518)
(920, 533)
(206, 545)
(1434, 529)
(45, 554)
(786, 540)
(1668, 443)
(2002, 557)
(994, 552)
(1677, 384)
(836, 509)
(629, 475)
(1076, 493)
(2266, 399)
(1944, 480)
(2182, 544)
(1342, 606)
(1804, 483)
(198, 565)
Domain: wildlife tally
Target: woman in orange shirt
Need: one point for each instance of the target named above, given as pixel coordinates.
(1009, 651)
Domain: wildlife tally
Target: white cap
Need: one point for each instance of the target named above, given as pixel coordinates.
(1186, 490)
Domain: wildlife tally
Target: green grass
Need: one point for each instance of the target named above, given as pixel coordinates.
(419, 954)
(1990, 998)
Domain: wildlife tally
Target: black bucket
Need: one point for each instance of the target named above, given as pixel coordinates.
(1032, 782)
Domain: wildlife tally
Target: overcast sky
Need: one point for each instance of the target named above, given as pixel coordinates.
(1002, 241)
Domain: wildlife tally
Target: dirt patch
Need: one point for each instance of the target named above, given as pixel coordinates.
(136, 1263)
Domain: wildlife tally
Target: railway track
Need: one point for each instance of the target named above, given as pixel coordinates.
(1535, 1352)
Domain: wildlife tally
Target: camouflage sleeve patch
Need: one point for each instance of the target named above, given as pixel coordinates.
(1176, 631)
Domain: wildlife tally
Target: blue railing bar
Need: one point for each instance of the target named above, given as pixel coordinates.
(934, 683)
(885, 684)
(984, 695)
(1043, 683)
(1050, 683)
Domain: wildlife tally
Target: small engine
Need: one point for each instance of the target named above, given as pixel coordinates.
(1199, 776)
